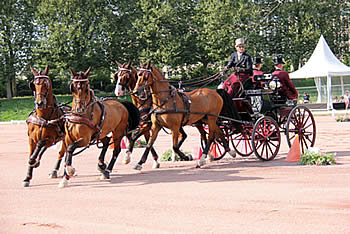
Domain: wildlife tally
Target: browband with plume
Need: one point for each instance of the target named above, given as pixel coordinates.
(124, 69)
(79, 80)
(144, 69)
(41, 76)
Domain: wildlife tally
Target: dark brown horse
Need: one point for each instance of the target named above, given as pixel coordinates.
(91, 120)
(173, 111)
(45, 125)
(125, 81)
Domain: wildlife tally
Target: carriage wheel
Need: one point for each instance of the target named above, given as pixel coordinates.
(266, 138)
(242, 142)
(216, 149)
(301, 121)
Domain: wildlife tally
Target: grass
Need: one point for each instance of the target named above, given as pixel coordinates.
(19, 108)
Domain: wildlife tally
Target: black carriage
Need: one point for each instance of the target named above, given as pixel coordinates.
(264, 115)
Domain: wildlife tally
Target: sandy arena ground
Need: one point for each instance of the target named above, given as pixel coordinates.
(229, 196)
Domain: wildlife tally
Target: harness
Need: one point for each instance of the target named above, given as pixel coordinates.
(78, 118)
(55, 119)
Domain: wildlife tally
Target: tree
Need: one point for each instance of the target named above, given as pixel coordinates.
(17, 38)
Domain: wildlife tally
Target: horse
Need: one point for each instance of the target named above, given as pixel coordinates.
(126, 80)
(173, 109)
(45, 123)
(91, 120)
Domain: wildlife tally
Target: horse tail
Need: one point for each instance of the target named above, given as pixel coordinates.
(228, 109)
(134, 115)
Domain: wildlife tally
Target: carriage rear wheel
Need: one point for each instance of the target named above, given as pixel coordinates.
(217, 149)
(266, 138)
(301, 121)
(241, 142)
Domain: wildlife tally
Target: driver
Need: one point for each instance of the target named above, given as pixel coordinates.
(242, 64)
(287, 87)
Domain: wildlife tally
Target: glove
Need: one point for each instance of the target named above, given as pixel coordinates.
(239, 69)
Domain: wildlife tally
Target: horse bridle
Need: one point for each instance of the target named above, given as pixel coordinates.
(146, 86)
(129, 71)
(82, 102)
(35, 81)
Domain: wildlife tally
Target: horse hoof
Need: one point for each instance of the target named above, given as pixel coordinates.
(211, 158)
(101, 167)
(202, 160)
(63, 183)
(105, 175)
(232, 153)
(126, 160)
(70, 170)
(174, 157)
(190, 158)
(156, 165)
(25, 183)
(138, 167)
(53, 174)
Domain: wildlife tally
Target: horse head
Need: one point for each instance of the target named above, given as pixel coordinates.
(144, 80)
(125, 78)
(80, 89)
(42, 88)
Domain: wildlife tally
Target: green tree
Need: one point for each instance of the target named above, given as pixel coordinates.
(17, 38)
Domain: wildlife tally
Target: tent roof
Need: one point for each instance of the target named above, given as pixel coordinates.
(321, 63)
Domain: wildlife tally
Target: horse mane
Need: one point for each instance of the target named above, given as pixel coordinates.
(134, 115)
(228, 109)
(158, 74)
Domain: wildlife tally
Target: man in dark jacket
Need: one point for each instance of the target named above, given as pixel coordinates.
(242, 64)
(287, 88)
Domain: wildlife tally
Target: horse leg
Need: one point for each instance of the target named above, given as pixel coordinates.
(221, 135)
(116, 151)
(39, 150)
(101, 166)
(61, 153)
(106, 174)
(153, 152)
(132, 140)
(154, 133)
(211, 136)
(176, 145)
(68, 169)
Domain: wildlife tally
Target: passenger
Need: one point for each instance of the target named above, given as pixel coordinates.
(287, 88)
(306, 98)
(257, 64)
(242, 64)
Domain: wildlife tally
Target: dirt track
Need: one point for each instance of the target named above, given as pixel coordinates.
(230, 196)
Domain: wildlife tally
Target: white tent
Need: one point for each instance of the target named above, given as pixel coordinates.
(322, 66)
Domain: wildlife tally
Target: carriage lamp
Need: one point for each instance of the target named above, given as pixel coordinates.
(275, 83)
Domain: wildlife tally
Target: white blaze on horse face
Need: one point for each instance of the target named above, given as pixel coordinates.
(118, 91)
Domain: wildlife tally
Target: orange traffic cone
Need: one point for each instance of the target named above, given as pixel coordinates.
(213, 151)
(111, 146)
(294, 151)
(122, 144)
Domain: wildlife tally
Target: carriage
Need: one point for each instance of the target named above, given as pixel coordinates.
(264, 116)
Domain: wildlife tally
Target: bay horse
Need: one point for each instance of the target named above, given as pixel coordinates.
(126, 80)
(92, 119)
(173, 111)
(45, 123)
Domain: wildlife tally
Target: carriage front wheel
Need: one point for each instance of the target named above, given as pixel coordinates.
(266, 138)
(241, 142)
(301, 121)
